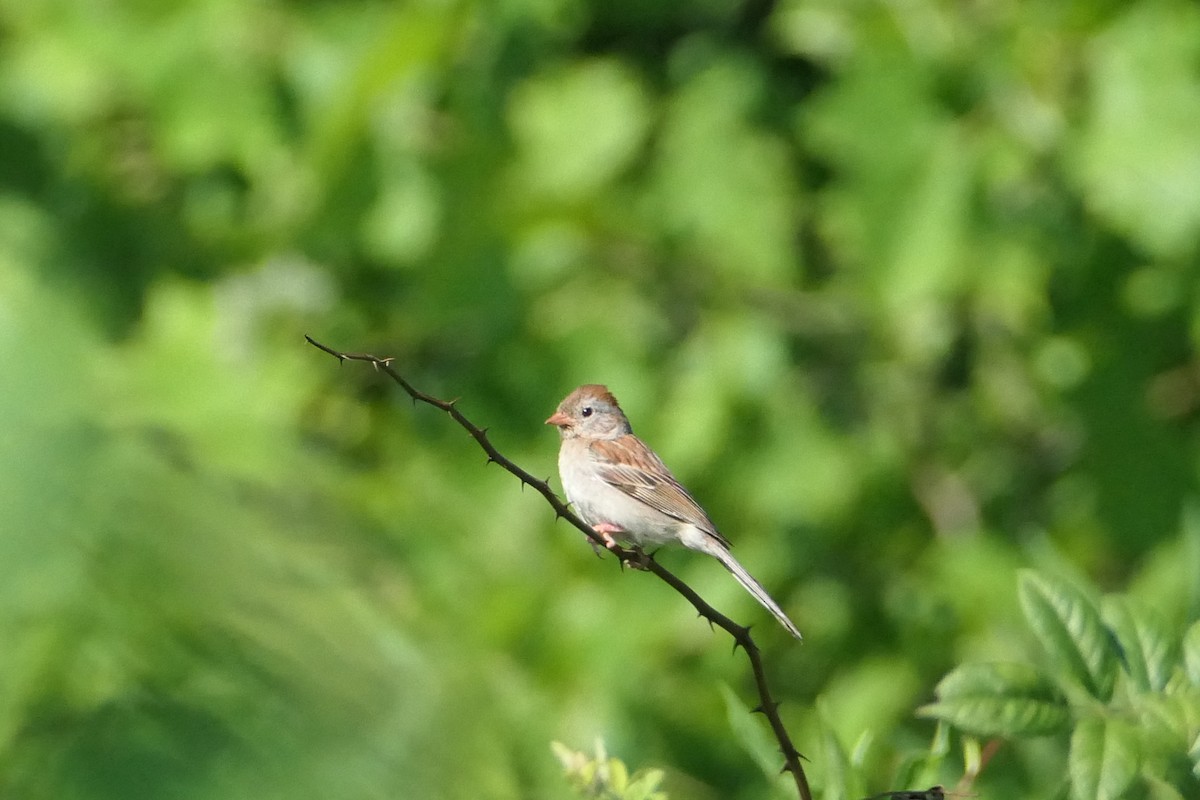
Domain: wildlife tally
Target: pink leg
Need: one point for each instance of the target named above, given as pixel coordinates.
(606, 531)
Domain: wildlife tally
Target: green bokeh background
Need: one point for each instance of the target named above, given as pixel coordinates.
(905, 293)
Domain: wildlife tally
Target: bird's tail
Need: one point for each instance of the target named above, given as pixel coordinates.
(755, 588)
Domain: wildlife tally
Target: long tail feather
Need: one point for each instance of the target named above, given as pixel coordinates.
(752, 586)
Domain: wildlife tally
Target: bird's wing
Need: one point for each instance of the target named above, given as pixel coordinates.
(629, 465)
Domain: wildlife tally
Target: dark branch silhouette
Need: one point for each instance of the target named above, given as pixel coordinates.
(635, 557)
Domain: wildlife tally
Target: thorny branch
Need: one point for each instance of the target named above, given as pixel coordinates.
(635, 557)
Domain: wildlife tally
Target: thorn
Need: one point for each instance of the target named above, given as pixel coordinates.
(450, 403)
(758, 709)
(387, 362)
(490, 460)
(483, 431)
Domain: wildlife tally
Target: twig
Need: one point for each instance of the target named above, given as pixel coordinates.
(767, 706)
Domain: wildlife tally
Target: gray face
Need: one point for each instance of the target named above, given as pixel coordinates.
(592, 412)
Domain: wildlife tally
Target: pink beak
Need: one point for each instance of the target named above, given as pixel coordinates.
(559, 419)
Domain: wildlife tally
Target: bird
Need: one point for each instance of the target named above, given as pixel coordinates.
(624, 491)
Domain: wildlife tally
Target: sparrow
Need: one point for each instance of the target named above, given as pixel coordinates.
(623, 490)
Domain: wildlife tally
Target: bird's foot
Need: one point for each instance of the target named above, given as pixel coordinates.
(637, 558)
(606, 531)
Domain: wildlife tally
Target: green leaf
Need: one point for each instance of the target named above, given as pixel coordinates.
(1143, 77)
(601, 776)
(1163, 719)
(1191, 653)
(999, 699)
(837, 773)
(645, 786)
(577, 127)
(1148, 650)
(1103, 760)
(618, 776)
(750, 733)
(1159, 789)
(924, 769)
(1069, 627)
(723, 184)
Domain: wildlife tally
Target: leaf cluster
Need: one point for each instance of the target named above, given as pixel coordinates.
(601, 777)
(1117, 684)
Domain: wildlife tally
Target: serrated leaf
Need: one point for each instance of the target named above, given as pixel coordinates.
(999, 699)
(1191, 653)
(1103, 760)
(1148, 650)
(1069, 627)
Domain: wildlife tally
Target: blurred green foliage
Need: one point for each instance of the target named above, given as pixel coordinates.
(606, 778)
(905, 293)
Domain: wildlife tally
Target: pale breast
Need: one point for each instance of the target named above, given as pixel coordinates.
(597, 501)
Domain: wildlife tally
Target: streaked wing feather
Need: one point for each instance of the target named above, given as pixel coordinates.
(640, 473)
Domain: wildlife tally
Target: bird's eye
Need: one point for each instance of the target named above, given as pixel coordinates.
(587, 411)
